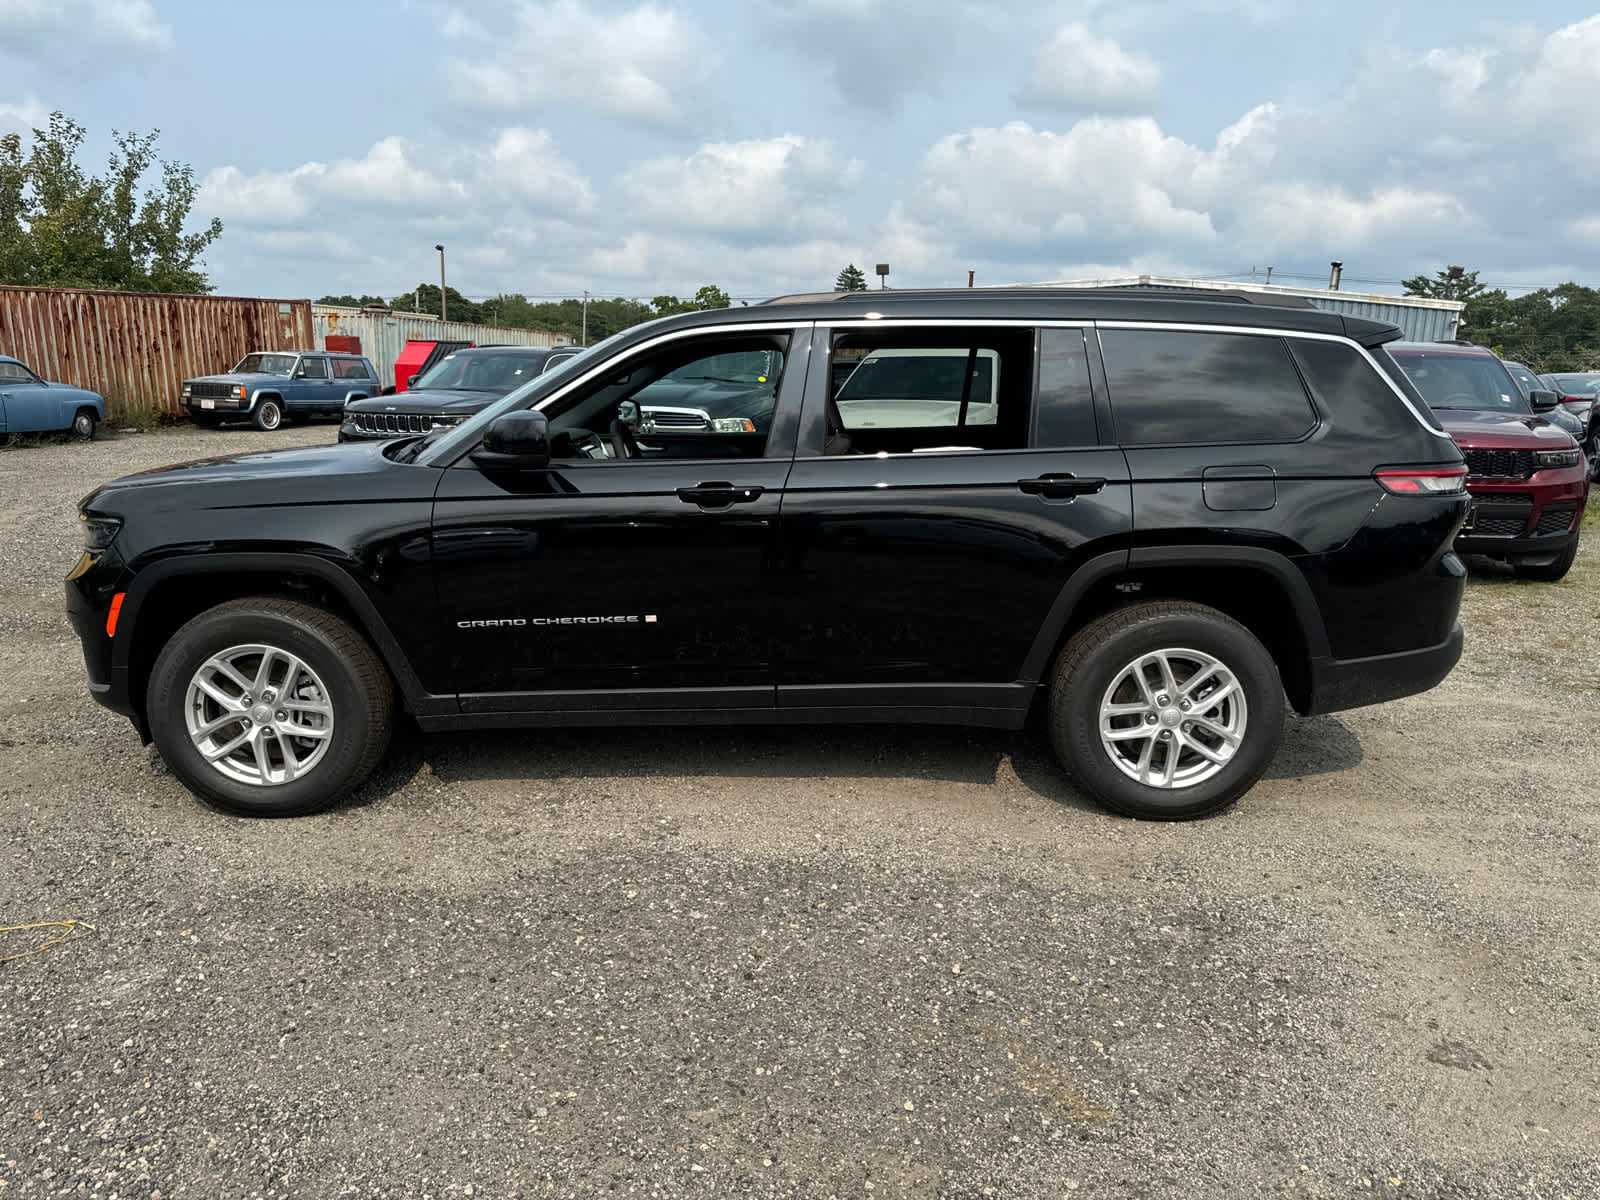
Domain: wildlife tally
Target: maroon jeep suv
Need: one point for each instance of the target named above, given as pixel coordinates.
(1528, 478)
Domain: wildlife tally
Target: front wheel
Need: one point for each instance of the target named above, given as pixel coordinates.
(269, 707)
(268, 415)
(1166, 711)
(1549, 572)
(83, 424)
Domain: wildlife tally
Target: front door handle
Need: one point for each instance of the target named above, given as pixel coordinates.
(718, 495)
(1062, 486)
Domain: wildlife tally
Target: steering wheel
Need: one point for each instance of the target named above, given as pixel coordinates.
(623, 443)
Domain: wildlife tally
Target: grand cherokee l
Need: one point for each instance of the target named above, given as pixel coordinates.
(1527, 477)
(1155, 519)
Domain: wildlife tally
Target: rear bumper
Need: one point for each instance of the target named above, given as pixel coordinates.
(1341, 683)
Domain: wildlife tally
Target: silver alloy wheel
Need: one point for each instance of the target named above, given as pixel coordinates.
(271, 415)
(1173, 718)
(83, 425)
(258, 715)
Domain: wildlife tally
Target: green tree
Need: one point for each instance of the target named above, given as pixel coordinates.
(711, 296)
(1452, 283)
(1550, 329)
(62, 227)
(459, 308)
(851, 279)
(348, 301)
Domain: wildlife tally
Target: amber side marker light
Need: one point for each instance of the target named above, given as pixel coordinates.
(116, 611)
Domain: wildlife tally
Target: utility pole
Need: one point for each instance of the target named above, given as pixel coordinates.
(439, 246)
(584, 336)
(1269, 274)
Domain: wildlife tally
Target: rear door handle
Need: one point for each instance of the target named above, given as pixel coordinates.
(718, 495)
(1062, 486)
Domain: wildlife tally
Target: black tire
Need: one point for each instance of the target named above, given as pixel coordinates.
(356, 684)
(1549, 572)
(268, 415)
(1099, 654)
(83, 423)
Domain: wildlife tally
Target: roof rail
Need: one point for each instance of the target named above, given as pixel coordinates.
(891, 295)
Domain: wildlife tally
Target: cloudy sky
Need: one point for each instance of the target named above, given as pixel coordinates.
(635, 148)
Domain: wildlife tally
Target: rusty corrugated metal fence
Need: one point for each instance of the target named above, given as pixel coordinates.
(137, 348)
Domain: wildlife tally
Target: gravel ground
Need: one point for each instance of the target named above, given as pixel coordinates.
(810, 962)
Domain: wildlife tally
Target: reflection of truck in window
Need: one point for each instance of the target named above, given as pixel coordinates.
(921, 388)
(726, 393)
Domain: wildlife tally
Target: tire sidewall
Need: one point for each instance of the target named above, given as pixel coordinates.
(1076, 726)
(265, 408)
(216, 631)
(83, 424)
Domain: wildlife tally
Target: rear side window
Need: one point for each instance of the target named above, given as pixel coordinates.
(1171, 388)
(1066, 403)
(1349, 388)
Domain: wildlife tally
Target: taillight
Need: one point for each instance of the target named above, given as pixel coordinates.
(1423, 481)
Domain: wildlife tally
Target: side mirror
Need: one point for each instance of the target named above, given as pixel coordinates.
(1542, 400)
(517, 441)
(411, 380)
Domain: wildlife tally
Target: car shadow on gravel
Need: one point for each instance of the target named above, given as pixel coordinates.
(1311, 746)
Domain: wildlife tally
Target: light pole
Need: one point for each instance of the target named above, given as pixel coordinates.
(439, 246)
(584, 336)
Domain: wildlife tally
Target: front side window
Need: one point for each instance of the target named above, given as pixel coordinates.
(902, 391)
(1175, 388)
(708, 397)
(265, 364)
(16, 373)
(314, 368)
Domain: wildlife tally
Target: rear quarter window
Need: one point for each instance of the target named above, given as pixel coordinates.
(1173, 387)
(1352, 391)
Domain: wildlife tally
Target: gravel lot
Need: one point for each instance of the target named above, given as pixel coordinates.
(811, 962)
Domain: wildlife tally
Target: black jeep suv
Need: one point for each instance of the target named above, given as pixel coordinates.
(1155, 517)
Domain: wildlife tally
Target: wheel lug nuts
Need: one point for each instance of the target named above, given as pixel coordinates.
(283, 716)
(1150, 719)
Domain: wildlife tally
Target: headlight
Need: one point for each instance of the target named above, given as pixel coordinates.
(98, 532)
(1558, 458)
(188, 390)
(238, 392)
(732, 425)
(442, 421)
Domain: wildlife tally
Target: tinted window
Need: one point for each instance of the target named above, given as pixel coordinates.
(349, 368)
(903, 390)
(1171, 388)
(314, 368)
(1358, 397)
(1066, 405)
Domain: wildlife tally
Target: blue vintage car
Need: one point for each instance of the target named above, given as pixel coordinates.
(30, 405)
(268, 386)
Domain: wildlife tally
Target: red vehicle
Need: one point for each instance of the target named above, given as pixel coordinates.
(1528, 478)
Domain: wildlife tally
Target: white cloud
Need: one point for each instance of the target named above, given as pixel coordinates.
(127, 23)
(635, 66)
(1077, 70)
(788, 183)
(24, 115)
(524, 163)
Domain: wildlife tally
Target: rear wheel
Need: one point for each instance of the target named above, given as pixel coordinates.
(83, 424)
(268, 707)
(268, 415)
(1549, 572)
(1166, 711)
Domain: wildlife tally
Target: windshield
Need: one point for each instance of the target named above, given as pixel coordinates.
(265, 364)
(1584, 384)
(1526, 379)
(1462, 381)
(476, 371)
(444, 445)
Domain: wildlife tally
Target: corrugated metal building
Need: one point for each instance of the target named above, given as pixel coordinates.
(1422, 319)
(137, 348)
(384, 334)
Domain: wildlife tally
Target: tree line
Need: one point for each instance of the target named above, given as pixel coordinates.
(515, 311)
(1549, 329)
